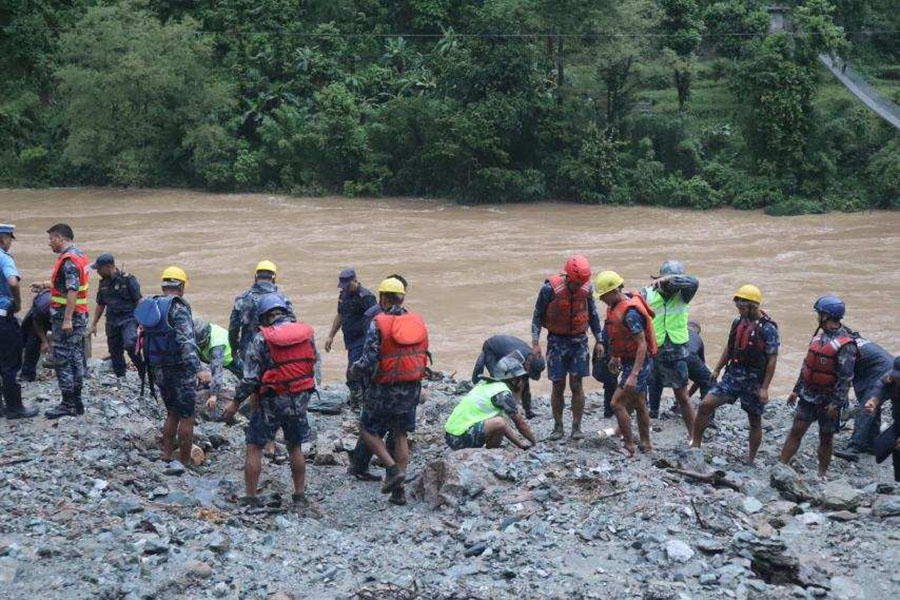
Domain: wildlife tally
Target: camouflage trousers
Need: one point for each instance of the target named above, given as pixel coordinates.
(68, 352)
(178, 387)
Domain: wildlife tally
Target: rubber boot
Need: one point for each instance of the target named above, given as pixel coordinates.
(14, 408)
(393, 478)
(79, 405)
(557, 433)
(66, 408)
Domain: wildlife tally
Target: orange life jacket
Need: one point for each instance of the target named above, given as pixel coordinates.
(404, 348)
(746, 345)
(819, 372)
(292, 351)
(567, 313)
(621, 342)
(57, 296)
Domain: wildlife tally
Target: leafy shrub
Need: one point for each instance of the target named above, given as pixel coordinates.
(689, 193)
(796, 205)
(495, 184)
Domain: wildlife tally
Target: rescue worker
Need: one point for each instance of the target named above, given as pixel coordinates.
(632, 345)
(244, 321)
(496, 348)
(477, 421)
(118, 295)
(566, 309)
(353, 302)
(873, 364)
(281, 369)
(10, 331)
(601, 372)
(361, 455)
(214, 350)
(69, 319)
(888, 441)
(35, 330)
(699, 374)
(669, 296)
(824, 382)
(395, 356)
(749, 361)
(170, 351)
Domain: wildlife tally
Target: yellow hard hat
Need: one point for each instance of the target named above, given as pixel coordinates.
(606, 282)
(176, 273)
(749, 292)
(391, 285)
(266, 265)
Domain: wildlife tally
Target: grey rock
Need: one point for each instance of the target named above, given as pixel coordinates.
(9, 569)
(678, 551)
(769, 557)
(888, 507)
(844, 588)
(218, 543)
(709, 579)
(199, 569)
(751, 505)
(789, 484)
(174, 468)
(839, 495)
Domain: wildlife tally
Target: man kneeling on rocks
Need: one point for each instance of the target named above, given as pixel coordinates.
(477, 421)
(281, 368)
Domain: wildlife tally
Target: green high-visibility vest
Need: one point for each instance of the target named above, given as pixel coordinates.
(218, 336)
(475, 407)
(671, 317)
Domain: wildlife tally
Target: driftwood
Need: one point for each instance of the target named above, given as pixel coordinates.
(716, 478)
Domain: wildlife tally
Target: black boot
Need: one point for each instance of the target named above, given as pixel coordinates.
(79, 405)
(14, 408)
(66, 408)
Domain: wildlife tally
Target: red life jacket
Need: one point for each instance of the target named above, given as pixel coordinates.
(746, 345)
(404, 348)
(819, 372)
(621, 341)
(567, 313)
(57, 296)
(292, 351)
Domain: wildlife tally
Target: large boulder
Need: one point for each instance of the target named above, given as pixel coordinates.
(459, 475)
(789, 484)
(768, 557)
(839, 495)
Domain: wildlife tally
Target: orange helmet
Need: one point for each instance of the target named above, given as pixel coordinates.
(578, 269)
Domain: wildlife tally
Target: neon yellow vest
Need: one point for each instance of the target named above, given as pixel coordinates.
(671, 318)
(218, 336)
(475, 407)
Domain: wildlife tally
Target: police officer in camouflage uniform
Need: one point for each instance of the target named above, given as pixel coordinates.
(497, 347)
(749, 361)
(118, 295)
(10, 333)
(873, 364)
(244, 320)
(353, 302)
(395, 359)
(69, 316)
(824, 382)
(35, 327)
(281, 370)
(170, 351)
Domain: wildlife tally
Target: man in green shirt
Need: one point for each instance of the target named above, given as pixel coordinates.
(477, 421)
(669, 295)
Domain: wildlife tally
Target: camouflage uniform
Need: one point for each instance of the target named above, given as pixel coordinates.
(68, 348)
(813, 406)
(386, 407)
(285, 411)
(178, 382)
(244, 321)
(742, 381)
(120, 295)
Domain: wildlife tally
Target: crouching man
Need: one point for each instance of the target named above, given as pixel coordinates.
(477, 421)
(281, 368)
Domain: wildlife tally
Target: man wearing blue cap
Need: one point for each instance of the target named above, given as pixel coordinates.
(353, 302)
(10, 332)
(118, 295)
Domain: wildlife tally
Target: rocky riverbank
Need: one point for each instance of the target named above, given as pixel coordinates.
(89, 512)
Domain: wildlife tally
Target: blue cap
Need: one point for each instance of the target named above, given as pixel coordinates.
(269, 303)
(671, 267)
(831, 306)
(346, 276)
(7, 228)
(103, 260)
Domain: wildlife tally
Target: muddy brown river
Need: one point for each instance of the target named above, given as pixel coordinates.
(474, 271)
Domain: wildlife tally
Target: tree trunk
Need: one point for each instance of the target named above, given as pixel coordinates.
(560, 73)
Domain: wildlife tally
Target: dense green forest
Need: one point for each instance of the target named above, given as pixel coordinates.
(667, 102)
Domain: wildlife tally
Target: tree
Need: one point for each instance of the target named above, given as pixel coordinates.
(134, 89)
(681, 27)
(733, 26)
